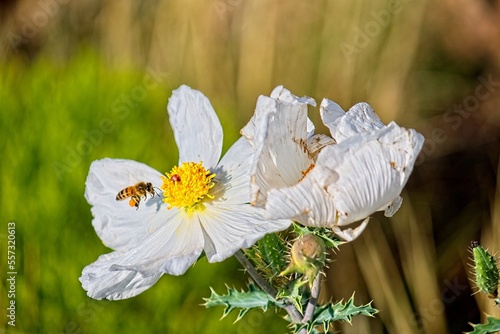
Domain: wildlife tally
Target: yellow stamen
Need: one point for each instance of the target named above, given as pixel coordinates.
(186, 186)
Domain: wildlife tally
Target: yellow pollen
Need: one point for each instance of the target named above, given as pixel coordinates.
(304, 173)
(186, 186)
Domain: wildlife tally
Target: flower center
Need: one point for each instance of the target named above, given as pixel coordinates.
(186, 186)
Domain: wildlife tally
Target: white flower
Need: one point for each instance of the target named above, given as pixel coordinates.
(360, 170)
(204, 206)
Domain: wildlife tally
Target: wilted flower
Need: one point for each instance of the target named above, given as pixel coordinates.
(321, 181)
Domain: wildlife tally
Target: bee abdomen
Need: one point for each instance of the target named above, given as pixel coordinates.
(122, 195)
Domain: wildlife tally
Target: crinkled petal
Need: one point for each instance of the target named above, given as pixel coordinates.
(172, 249)
(101, 282)
(233, 174)
(228, 228)
(197, 130)
(351, 180)
(265, 105)
(120, 226)
(283, 95)
(306, 202)
(350, 234)
(316, 143)
(393, 207)
(280, 144)
(360, 119)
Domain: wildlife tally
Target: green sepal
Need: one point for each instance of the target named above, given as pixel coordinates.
(326, 314)
(330, 240)
(492, 326)
(242, 300)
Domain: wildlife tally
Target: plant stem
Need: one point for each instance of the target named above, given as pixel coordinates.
(253, 273)
(291, 310)
(313, 301)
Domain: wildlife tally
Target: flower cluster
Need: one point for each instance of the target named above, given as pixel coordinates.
(278, 172)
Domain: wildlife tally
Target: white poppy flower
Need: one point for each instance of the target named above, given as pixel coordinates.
(201, 205)
(360, 170)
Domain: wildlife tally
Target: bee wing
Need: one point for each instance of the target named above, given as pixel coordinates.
(105, 179)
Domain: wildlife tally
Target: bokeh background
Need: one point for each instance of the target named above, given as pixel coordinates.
(82, 80)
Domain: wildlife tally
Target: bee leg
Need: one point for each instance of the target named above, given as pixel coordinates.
(137, 200)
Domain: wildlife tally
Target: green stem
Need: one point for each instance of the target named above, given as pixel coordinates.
(313, 301)
(289, 308)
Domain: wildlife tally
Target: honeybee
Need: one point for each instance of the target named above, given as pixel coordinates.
(136, 192)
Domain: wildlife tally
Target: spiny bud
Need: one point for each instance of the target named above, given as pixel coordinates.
(307, 256)
(485, 270)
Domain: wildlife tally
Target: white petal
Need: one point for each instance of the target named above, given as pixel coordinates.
(280, 144)
(229, 228)
(100, 282)
(349, 234)
(283, 95)
(306, 202)
(233, 174)
(197, 130)
(172, 249)
(316, 143)
(351, 180)
(120, 226)
(394, 206)
(360, 119)
(266, 105)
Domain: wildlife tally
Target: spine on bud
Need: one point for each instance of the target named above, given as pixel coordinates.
(271, 248)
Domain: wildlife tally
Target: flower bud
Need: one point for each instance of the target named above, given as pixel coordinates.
(307, 256)
(485, 270)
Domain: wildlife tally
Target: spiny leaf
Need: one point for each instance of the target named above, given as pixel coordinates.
(493, 326)
(326, 314)
(243, 300)
(294, 294)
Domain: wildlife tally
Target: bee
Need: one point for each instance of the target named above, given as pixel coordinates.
(136, 192)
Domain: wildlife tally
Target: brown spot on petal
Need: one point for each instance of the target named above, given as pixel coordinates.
(316, 143)
(301, 142)
(304, 173)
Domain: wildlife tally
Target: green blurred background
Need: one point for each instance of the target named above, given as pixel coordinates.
(82, 80)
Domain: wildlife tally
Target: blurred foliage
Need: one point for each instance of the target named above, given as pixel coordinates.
(82, 80)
